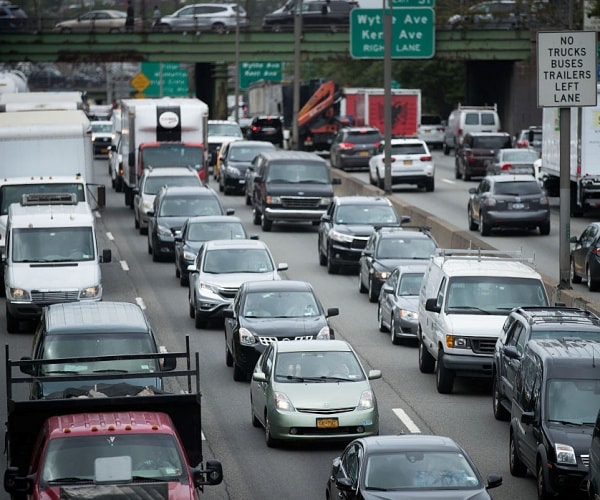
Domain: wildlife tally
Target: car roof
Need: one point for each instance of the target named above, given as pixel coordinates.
(251, 144)
(279, 154)
(406, 140)
(220, 122)
(571, 357)
(214, 218)
(313, 346)
(95, 317)
(187, 191)
(170, 172)
(365, 128)
(226, 244)
(408, 442)
(277, 285)
(511, 178)
(412, 268)
(488, 134)
(398, 231)
(362, 200)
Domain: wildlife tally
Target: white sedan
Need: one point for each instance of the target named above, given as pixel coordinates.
(411, 163)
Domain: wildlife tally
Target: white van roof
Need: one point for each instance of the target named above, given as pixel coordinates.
(484, 263)
(35, 216)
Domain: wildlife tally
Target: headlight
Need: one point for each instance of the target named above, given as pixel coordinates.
(208, 287)
(282, 402)
(454, 342)
(164, 231)
(324, 334)
(489, 202)
(233, 171)
(246, 337)
(341, 237)
(367, 401)
(382, 274)
(325, 201)
(90, 292)
(273, 200)
(565, 454)
(187, 255)
(147, 205)
(19, 294)
(409, 315)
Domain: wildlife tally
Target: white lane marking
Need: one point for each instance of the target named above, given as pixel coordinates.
(97, 215)
(203, 436)
(110, 236)
(448, 181)
(124, 265)
(406, 420)
(140, 302)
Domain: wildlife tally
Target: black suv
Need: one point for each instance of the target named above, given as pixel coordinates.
(173, 205)
(266, 128)
(523, 324)
(316, 14)
(387, 248)
(555, 403)
(476, 150)
(354, 146)
(290, 186)
(347, 226)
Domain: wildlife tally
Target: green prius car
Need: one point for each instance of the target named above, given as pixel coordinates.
(313, 389)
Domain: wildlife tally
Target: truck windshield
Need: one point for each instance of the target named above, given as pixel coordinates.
(13, 193)
(63, 244)
(493, 295)
(72, 459)
(172, 155)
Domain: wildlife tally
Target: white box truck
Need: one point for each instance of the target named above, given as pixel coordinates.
(41, 101)
(166, 132)
(584, 166)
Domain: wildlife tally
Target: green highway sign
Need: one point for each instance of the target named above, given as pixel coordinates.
(412, 3)
(413, 33)
(166, 79)
(254, 71)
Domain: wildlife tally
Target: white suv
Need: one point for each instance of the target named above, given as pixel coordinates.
(411, 164)
(464, 300)
(217, 17)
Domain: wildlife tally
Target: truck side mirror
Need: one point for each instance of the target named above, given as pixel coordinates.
(168, 364)
(106, 255)
(27, 368)
(15, 484)
(431, 305)
(213, 474)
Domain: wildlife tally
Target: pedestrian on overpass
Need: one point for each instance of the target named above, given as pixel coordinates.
(130, 16)
(156, 17)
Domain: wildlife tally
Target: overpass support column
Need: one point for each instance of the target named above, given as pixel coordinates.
(211, 87)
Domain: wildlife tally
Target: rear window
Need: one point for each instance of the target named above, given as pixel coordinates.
(517, 188)
(431, 120)
(408, 149)
(488, 119)
(366, 137)
(491, 142)
(268, 122)
(472, 119)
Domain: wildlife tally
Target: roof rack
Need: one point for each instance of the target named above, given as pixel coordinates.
(485, 106)
(29, 199)
(541, 314)
(471, 254)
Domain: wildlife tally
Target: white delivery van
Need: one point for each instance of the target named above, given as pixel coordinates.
(464, 300)
(469, 119)
(51, 255)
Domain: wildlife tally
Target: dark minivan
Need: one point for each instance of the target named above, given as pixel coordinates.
(554, 408)
(477, 149)
(316, 14)
(290, 186)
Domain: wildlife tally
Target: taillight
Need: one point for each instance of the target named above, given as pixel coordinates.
(377, 144)
(506, 166)
(523, 143)
(460, 131)
(596, 251)
(440, 129)
(255, 128)
(425, 158)
(346, 145)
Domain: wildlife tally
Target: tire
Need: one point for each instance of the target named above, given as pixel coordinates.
(331, 267)
(372, 179)
(382, 327)
(592, 283)
(322, 258)
(545, 228)
(361, 288)
(248, 200)
(271, 443)
(500, 412)
(199, 321)
(445, 149)
(395, 339)
(429, 185)
(12, 323)
(466, 176)
(444, 378)
(219, 28)
(256, 218)
(540, 481)
(221, 187)
(119, 185)
(575, 278)
(373, 297)
(255, 421)
(228, 355)
(426, 360)
(457, 174)
(136, 222)
(149, 246)
(192, 310)
(517, 468)
(177, 272)
(184, 280)
(484, 229)
(472, 224)
(380, 182)
(239, 375)
(266, 224)
(128, 195)
(155, 255)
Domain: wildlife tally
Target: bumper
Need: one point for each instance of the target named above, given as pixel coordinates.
(281, 214)
(247, 356)
(568, 481)
(468, 365)
(354, 161)
(300, 426)
(411, 179)
(516, 219)
(164, 246)
(211, 305)
(236, 183)
(342, 255)
(407, 328)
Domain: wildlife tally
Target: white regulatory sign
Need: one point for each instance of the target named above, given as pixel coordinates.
(566, 69)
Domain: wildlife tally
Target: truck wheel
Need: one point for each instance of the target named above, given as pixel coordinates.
(575, 278)
(545, 228)
(517, 468)
(265, 223)
(444, 377)
(12, 323)
(426, 360)
(500, 412)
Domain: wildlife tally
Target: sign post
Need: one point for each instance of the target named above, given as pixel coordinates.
(567, 66)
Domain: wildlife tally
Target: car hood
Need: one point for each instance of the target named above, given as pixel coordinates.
(236, 279)
(325, 395)
(354, 229)
(300, 189)
(476, 325)
(284, 327)
(409, 302)
(390, 264)
(579, 437)
(414, 494)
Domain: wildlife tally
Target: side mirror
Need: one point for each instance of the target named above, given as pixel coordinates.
(493, 481)
(106, 255)
(325, 218)
(259, 377)
(28, 368)
(431, 305)
(387, 289)
(212, 474)
(230, 211)
(374, 374)
(333, 311)
(167, 364)
(344, 484)
(253, 236)
(336, 181)
(282, 266)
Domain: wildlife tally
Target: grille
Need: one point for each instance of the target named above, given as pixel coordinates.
(38, 297)
(483, 346)
(313, 431)
(300, 202)
(326, 411)
(228, 293)
(270, 340)
(359, 243)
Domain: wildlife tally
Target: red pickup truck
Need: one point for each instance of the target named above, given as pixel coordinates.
(132, 443)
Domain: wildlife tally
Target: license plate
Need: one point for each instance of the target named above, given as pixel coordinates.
(242, 181)
(426, 131)
(363, 153)
(327, 423)
(407, 162)
(104, 150)
(518, 206)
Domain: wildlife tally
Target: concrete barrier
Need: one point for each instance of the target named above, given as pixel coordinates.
(450, 236)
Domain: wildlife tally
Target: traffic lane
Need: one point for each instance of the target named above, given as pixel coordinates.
(449, 202)
(466, 415)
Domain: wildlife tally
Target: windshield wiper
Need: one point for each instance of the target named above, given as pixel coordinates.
(470, 308)
(565, 422)
(72, 479)
(283, 181)
(110, 370)
(64, 372)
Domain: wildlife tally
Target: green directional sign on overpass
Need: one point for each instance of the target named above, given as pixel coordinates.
(254, 71)
(165, 79)
(413, 33)
(412, 3)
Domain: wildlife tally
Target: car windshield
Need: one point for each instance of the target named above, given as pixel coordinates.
(493, 294)
(173, 155)
(64, 244)
(206, 231)
(318, 367)
(225, 129)
(405, 248)
(517, 188)
(573, 401)
(366, 214)
(101, 128)
(410, 284)
(237, 260)
(288, 304)
(430, 470)
(520, 155)
(73, 459)
(13, 193)
(81, 345)
(408, 149)
(153, 184)
(176, 206)
(245, 153)
(306, 172)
